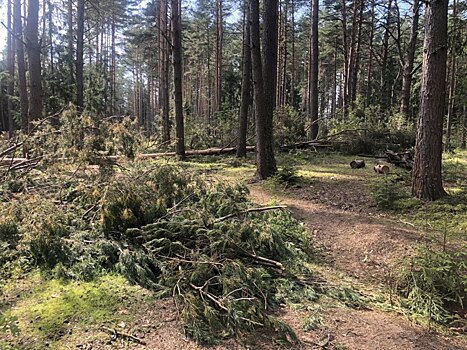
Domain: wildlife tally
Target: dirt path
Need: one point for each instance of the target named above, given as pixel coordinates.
(361, 244)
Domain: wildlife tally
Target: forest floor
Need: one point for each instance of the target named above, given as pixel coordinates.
(358, 245)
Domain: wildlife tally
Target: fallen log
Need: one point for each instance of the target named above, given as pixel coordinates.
(202, 152)
(357, 164)
(305, 144)
(381, 169)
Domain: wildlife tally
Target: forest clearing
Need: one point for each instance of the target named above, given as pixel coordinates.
(218, 174)
(363, 232)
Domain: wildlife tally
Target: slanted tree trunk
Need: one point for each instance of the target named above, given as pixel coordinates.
(79, 55)
(426, 178)
(409, 60)
(177, 66)
(314, 65)
(264, 89)
(34, 59)
(246, 81)
(22, 84)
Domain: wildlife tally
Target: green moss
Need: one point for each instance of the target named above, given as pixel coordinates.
(51, 308)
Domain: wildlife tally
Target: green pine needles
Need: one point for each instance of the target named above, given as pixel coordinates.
(226, 265)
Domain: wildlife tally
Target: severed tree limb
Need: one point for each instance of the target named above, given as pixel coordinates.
(127, 336)
(251, 210)
(266, 261)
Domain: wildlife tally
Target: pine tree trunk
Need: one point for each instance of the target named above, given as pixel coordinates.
(264, 97)
(22, 84)
(464, 129)
(177, 66)
(384, 81)
(34, 58)
(346, 73)
(409, 61)
(11, 70)
(292, 68)
(219, 49)
(314, 66)
(246, 81)
(79, 55)
(453, 81)
(369, 89)
(165, 73)
(426, 177)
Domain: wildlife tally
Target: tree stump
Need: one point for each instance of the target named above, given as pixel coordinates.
(381, 169)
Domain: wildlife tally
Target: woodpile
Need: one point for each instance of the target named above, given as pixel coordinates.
(401, 159)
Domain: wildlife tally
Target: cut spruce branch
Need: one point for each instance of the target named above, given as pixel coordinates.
(251, 210)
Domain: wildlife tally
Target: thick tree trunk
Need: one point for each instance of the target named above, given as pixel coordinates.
(264, 97)
(177, 66)
(34, 57)
(409, 60)
(426, 178)
(79, 55)
(246, 81)
(314, 65)
(22, 84)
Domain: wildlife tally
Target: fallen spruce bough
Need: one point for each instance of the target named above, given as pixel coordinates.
(227, 266)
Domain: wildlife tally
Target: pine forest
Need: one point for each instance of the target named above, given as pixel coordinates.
(219, 174)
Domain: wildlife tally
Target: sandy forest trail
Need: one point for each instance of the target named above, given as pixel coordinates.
(362, 245)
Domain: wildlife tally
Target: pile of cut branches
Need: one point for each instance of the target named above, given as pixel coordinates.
(226, 264)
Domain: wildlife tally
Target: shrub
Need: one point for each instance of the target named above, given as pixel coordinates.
(386, 192)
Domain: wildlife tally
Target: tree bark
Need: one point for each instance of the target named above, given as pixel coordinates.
(246, 81)
(219, 49)
(34, 57)
(79, 55)
(384, 81)
(409, 60)
(165, 67)
(426, 178)
(177, 66)
(264, 97)
(11, 70)
(314, 67)
(464, 129)
(452, 81)
(22, 84)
